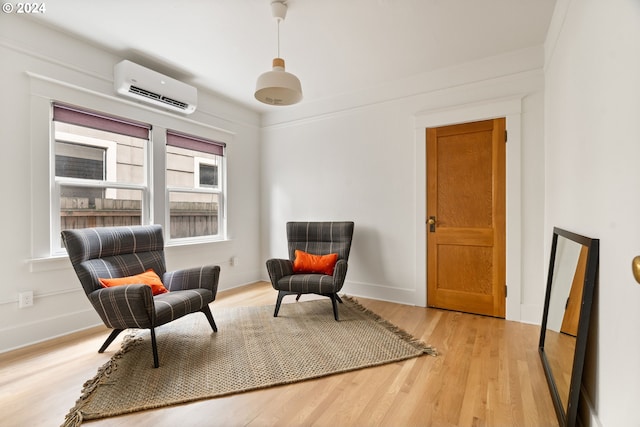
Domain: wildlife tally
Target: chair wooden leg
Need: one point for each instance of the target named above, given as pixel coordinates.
(154, 347)
(207, 312)
(334, 302)
(110, 339)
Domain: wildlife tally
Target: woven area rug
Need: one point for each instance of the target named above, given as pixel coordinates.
(250, 351)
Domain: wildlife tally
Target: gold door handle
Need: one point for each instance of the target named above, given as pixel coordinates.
(635, 266)
(432, 224)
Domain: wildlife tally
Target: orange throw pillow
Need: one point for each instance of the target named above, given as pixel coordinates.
(149, 278)
(310, 263)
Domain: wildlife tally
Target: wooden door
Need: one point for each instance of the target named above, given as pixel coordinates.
(466, 266)
(571, 316)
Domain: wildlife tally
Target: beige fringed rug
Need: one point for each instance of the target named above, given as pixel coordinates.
(250, 351)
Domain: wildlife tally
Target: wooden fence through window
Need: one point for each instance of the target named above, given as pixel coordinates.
(188, 219)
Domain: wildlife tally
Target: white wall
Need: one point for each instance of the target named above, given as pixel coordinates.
(592, 144)
(358, 157)
(75, 70)
(361, 157)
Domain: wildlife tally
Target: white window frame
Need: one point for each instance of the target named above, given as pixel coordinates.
(108, 146)
(220, 191)
(197, 161)
(109, 185)
(44, 91)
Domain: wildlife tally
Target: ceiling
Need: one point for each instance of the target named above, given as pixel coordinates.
(334, 46)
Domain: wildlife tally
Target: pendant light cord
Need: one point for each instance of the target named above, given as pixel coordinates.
(278, 37)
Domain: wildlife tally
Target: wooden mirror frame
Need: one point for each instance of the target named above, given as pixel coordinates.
(568, 418)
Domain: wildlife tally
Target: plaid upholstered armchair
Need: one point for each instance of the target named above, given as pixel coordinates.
(113, 265)
(317, 264)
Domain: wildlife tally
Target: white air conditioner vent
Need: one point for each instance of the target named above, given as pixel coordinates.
(135, 81)
(156, 96)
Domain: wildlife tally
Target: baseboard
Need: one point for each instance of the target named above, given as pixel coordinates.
(530, 313)
(233, 277)
(377, 292)
(45, 329)
(587, 415)
(380, 292)
(35, 332)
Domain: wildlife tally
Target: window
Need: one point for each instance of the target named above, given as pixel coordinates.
(74, 160)
(206, 173)
(103, 175)
(194, 186)
(100, 170)
(79, 160)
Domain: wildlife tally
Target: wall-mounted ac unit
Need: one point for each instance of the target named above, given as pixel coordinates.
(135, 81)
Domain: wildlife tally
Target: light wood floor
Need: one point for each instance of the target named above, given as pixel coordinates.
(488, 374)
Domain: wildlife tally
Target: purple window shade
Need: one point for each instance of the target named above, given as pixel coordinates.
(95, 120)
(195, 143)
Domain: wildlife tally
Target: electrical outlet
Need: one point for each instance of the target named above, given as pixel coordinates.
(233, 261)
(25, 299)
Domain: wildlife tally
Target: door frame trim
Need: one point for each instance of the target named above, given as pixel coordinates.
(511, 109)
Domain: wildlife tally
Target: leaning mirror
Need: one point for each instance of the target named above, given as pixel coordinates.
(573, 264)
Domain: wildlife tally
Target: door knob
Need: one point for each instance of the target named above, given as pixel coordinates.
(635, 266)
(432, 224)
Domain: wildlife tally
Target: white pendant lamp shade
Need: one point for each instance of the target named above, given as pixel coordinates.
(277, 87)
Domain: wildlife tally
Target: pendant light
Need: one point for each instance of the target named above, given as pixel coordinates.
(277, 87)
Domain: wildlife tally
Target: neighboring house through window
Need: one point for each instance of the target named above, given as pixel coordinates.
(206, 173)
(194, 178)
(102, 176)
(99, 169)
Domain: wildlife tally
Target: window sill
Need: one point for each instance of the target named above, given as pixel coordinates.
(61, 262)
(193, 242)
(56, 262)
